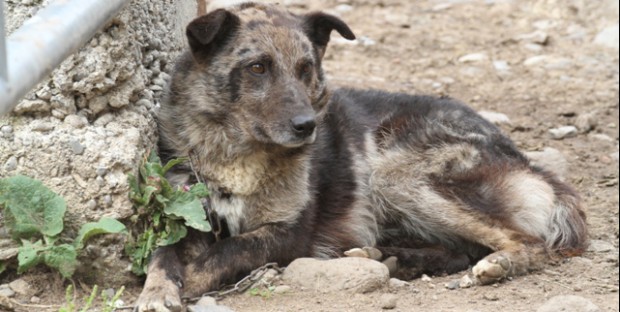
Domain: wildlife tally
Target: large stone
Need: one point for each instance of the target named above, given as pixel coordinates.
(358, 275)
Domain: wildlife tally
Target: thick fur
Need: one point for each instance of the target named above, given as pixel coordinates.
(296, 170)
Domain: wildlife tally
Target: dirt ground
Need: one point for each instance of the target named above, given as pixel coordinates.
(481, 52)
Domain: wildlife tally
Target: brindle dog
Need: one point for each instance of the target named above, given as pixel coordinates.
(297, 170)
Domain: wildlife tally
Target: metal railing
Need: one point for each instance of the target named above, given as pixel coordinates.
(45, 40)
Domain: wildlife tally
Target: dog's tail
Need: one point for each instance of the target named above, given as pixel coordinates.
(567, 228)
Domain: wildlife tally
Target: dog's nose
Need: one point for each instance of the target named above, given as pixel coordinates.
(303, 125)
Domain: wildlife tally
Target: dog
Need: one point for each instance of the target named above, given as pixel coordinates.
(296, 169)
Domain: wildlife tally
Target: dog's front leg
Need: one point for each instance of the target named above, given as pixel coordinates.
(161, 292)
(233, 257)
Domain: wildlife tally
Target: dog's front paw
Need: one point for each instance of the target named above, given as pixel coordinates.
(159, 298)
(491, 269)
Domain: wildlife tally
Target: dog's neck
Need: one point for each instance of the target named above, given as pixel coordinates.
(240, 168)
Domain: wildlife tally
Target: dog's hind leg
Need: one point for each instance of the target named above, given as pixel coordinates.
(413, 262)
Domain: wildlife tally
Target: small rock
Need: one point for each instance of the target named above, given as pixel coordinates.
(91, 204)
(466, 281)
(6, 291)
(41, 126)
(473, 57)
(549, 159)
(563, 132)
(615, 156)
(282, 289)
(396, 283)
(586, 122)
(538, 37)
(392, 264)
(21, 287)
(501, 66)
(490, 296)
(608, 37)
(6, 130)
(388, 301)
(601, 137)
(356, 252)
(366, 41)
(343, 8)
(600, 246)
(76, 147)
(353, 274)
(495, 118)
(35, 299)
(373, 253)
(108, 293)
(568, 303)
(441, 7)
(453, 284)
(11, 164)
(207, 304)
(534, 47)
(76, 121)
(425, 278)
(34, 106)
(548, 62)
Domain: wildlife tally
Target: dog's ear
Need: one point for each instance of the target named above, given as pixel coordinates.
(318, 26)
(207, 33)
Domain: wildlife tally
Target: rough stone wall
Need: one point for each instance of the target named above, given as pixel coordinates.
(86, 127)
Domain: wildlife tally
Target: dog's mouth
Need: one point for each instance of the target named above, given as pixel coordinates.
(287, 137)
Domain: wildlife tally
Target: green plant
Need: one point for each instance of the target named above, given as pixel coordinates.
(108, 305)
(263, 291)
(34, 216)
(163, 212)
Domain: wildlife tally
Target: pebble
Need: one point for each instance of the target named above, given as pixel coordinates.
(388, 301)
(207, 304)
(563, 132)
(601, 137)
(396, 283)
(466, 281)
(6, 291)
(76, 121)
(453, 284)
(490, 296)
(76, 147)
(600, 246)
(35, 299)
(615, 156)
(425, 278)
(473, 57)
(343, 8)
(538, 37)
(356, 252)
(20, 286)
(11, 164)
(373, 253)
(608, 37)
(534, 47)
(41, 126)
(568, 303)
(108, 293)
(6, 130)
(501, 66)
(495, 118)
(91, 204)
(586, 122)
(392, 264)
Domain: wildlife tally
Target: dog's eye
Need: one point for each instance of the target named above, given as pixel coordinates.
(257, 68)
(306, 68)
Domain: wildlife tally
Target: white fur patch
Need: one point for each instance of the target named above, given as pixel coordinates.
(232, 209)
(532, 201)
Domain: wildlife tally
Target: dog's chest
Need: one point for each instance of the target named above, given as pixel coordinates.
(231, 209)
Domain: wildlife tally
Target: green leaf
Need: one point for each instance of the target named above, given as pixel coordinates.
(175, 231)
(29, 255)
(185, 205)
(199, 190)
(103, 226)
(173, 162)
(32, 207)
(63, 258)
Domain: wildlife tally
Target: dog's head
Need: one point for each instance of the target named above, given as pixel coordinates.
(261, 70)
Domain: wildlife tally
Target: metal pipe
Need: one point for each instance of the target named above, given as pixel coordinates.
(3, 70)
(46, 39)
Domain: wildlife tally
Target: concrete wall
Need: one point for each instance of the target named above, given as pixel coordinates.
(86, 127)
